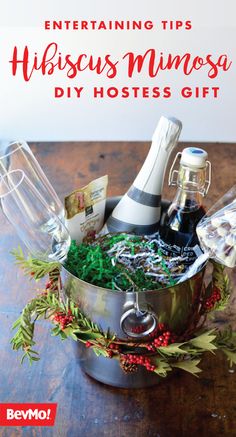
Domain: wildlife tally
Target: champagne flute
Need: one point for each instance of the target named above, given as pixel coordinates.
(36, 224)
(17, 155)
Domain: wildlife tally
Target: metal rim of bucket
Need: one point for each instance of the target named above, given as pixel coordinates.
(159, 290)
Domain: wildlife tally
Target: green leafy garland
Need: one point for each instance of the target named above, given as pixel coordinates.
(161, 354)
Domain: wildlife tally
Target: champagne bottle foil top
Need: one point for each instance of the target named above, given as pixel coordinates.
(150, 177)
(167, 132)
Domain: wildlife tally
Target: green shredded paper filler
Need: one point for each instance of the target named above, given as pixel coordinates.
(122, 262)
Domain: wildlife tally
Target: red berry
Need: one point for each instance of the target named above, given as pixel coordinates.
(111, 346)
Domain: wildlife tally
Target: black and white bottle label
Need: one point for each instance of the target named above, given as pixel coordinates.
(188, 254)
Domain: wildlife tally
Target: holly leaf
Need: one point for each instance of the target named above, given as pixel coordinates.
(162, 367)
(172, 349)
(100, 352)
(87, 336)
(69, 332)
(189, 366)
(231, 356)
(204, 341)
(62, 335)
(55, 331)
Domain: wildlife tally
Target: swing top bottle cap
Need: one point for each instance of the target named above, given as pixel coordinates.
(194, 157)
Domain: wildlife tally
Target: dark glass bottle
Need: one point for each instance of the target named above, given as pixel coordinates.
(178, 230)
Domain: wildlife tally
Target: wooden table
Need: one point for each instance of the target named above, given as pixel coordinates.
(180, 406)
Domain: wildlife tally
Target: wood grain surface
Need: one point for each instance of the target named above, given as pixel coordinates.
(179, 406)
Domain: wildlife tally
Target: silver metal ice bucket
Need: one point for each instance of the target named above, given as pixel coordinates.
(120, 312)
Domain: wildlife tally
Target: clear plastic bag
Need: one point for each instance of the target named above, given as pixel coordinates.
(217, 230)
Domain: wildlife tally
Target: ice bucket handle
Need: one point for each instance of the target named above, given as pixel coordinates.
(137, 323)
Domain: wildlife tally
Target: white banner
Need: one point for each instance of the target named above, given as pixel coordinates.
(69, 70)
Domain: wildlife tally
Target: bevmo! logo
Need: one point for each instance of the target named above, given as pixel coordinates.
(27, 414)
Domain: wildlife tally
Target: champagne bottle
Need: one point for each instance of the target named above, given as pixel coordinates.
(139, 209)
(178, 236)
